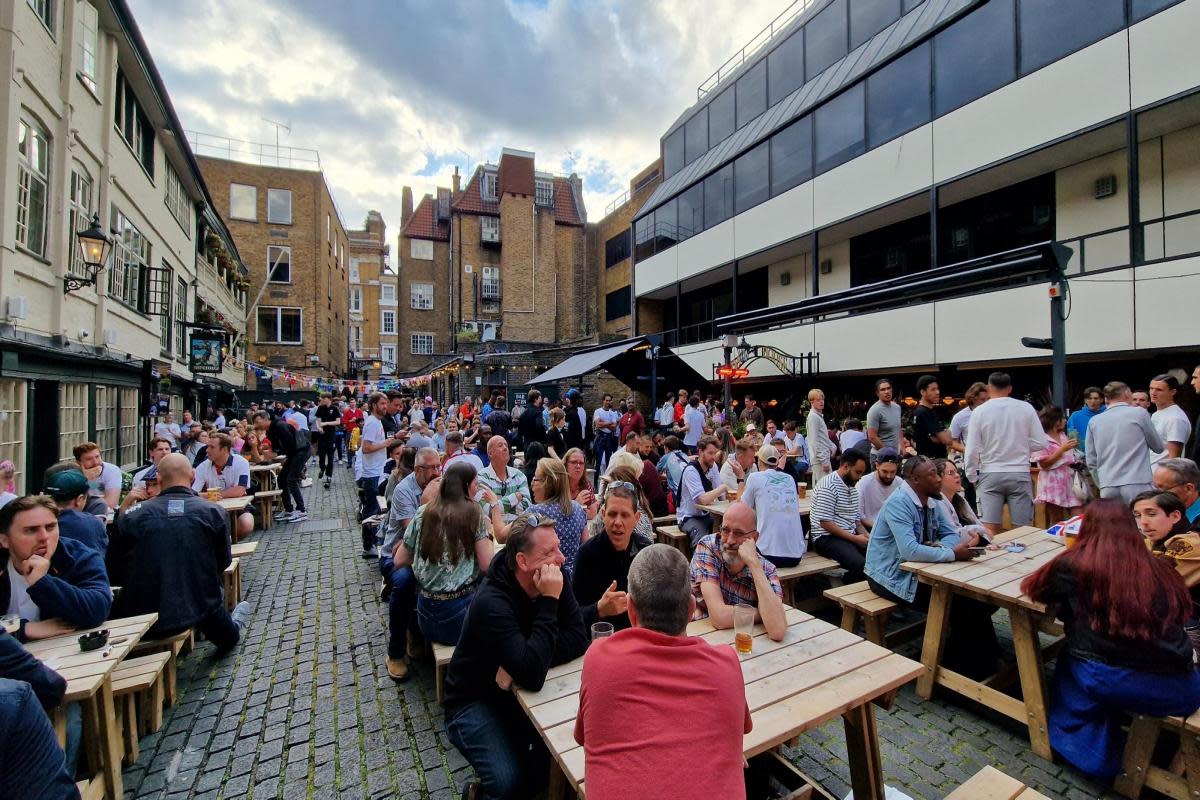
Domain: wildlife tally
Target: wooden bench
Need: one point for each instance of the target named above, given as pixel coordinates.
(265, 503)
(91, 789)
(857, 600)
(442, 653)
(992, 784)
(810, 564)
(232, 578)
(658, 522)
(177, 645)
(1137, 771)
(672, 535)
(138, 690)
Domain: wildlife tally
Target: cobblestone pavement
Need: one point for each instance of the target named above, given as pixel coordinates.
(304, 708)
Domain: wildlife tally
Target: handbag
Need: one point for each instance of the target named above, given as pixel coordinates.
(1080, 487)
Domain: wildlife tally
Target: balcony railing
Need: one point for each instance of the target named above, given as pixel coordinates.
(753, 46)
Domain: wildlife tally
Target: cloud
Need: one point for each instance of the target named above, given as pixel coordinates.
(393, 94)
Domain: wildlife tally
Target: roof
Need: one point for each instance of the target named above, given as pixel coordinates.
(870, 55)
(566, 209)
(424, 223)
(627, 361)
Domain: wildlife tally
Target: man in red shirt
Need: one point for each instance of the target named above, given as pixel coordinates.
(641, 736)
(631, 421)
(681, 405)
(352, 417)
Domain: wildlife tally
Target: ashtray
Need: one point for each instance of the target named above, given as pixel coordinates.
(93, 640)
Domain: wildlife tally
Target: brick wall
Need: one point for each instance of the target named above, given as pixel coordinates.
(619, 275)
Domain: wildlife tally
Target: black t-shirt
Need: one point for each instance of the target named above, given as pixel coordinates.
(328, 414)
(926, 426)
(390, 425)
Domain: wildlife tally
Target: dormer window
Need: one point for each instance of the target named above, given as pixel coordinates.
(488, 186)
(545, 192)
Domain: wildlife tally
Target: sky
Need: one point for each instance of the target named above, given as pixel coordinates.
(395, 93)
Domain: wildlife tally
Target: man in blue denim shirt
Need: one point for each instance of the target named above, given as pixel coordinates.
(911, 527)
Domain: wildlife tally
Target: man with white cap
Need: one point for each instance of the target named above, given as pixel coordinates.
(771, 492)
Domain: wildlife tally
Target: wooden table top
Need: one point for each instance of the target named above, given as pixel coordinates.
(232, 504)
(265, 467)
(718, 508)
(243, 549)
(996, 576)
(86, 672)
(817, 672)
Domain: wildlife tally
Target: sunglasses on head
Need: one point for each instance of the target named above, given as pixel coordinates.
(629, 487)
(536, 521)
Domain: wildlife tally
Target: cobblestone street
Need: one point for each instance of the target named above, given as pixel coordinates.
(304, 707)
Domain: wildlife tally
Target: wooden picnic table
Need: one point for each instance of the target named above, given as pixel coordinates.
(89, 681)
(817, 672)
(265, 476)
(993, 578)
(243, 549)
(719, 508)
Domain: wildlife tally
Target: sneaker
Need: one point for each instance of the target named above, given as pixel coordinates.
(241, 615)
(299, 516)
(471, 790)
(397, 669)
(385, 590)
(306, 483)
(285, 516)
(369, 554)
(327, 483)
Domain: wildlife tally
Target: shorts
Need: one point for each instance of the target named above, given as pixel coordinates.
(995, 489)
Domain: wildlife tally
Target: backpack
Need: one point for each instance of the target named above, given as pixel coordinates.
(705, 483)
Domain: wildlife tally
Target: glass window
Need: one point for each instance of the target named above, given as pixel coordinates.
(617, 304)
(133, 124)
(664, 226)
(974, 56)
(825, 38)
(752, 93)
(752, 177)
(1050, 29)
(421, 344)
(80, 217)
(691, 211)
(355, 300)
(869, 17)
(722, 116)
(45, 11)
(177, 200)
(243, 202)
(718, 196)
(791, 156)
(388, 353)
(839, 129)
(33, 165)
(181, 316)
(898, 96)
(130, 259)
(673, 153)
(1140, 9)
(616, 249)
(421, 296)
(279, 206)
(387, 294)
(643, 237)
(696, 137)
(785, 68)
(278, 325)
(544, 192)
(489, 186)
(89, 43)
(279, 261)
(387, 324)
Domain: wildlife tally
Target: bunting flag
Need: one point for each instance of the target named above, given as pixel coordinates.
(302, 381)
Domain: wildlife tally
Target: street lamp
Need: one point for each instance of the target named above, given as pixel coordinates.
(94, 246)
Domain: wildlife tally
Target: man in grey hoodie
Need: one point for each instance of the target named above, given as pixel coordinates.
(1119, 445)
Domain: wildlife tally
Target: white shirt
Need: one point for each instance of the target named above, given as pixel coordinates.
(139, 477)
(219, 422)
(850, 440)
(1003, 435)
(465, 456)
(693, 488)
(110, 478)
(1172, 425)
(235, 473)
(372, 463)
(294, 417)
(694, 418)
(416, 414)
(772, 495)
(605, 415)
(6, 498)
(960, 424)
(666, 414)
(169, 431)
(872, 494)
(19, 601)
(729, 477)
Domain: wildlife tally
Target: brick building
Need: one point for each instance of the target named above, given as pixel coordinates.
(288, 230)
(373, 306)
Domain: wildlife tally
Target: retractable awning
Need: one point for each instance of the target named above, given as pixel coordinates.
(628, 361)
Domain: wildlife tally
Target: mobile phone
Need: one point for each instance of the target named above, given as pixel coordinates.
(978, 551)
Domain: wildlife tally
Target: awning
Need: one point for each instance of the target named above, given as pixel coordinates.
(581, 364)
(628, 361)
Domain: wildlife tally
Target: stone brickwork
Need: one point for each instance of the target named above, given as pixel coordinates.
(619, 276)
(370, 251)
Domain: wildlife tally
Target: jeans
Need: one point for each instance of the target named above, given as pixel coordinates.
(605, 445)
(74, 736)
(442, 621)
(34, 764)
(847, 553)
(400, 605)
(325, 451)
(289, 478)
(368, 497)
(339, 445)
(220, 629)
(501, 744)
(697, 528)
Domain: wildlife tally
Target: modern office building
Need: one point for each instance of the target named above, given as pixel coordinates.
(610, 250)
(867, 182)
(373, 307)
(91, 133)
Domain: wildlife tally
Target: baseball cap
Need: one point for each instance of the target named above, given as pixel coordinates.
(887, 454)
(67, 485)
(750, 426)
(768, 455)
(150, 474)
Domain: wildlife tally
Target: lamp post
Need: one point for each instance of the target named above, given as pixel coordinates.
(1057, 343)
(94, 247)
(728, 342)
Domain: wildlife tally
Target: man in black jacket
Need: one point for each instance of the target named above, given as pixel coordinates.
(169, 554)
(531, 426)
(601, 576)
(500, 421)
(284, 442)
(523, 620)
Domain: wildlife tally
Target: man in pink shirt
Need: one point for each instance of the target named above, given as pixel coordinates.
(641, 736)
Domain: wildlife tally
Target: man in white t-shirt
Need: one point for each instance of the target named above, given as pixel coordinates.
(169, 430)
(739, 465)
(772, 494)
(604, 429)
(455, 453)
(372, 455)
(104, 479)
(227, 472)
(695, 491)
(219, 419)
(1169, 420)
(693, 424)
(159, 447)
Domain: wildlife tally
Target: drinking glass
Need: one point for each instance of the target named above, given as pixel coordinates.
(601, 630)
(743, 628)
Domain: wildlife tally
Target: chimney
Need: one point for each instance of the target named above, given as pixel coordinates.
(376, 227)
(577, 190)
(455, 182)
(406, 206)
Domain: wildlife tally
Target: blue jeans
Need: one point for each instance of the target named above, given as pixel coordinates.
(400, 605)
(501, 744)
(441, 621)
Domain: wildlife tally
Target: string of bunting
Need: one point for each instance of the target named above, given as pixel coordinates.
(299, 380)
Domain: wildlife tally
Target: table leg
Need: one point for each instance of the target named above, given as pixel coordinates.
(557, 784)
(110, 741)
(1033, 681)
(862, 747)
(58, 718)
(937, 627)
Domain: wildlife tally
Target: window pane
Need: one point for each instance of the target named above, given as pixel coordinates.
(243, 202)
(839, 129)
(722, 116)
(617, 304)
(279, 262)
(279, 206)
(1141, 9)
(691, 212)
(266, 323)
(1051, 29)
(697, 135)
(791, 156)
(718, 196)
(673, 153)
(825, 38)
(785, 68)
(898, 96)
(974, 56)
(869, 17)
(289, 325)
(752, 93)
(909, 5)
(751, 178)
(664, 226)
(643, 230)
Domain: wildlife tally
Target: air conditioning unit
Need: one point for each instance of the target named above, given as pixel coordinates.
(826, 266)
(489, 331)
(17, 307)
(1106, 186)
(785, 279)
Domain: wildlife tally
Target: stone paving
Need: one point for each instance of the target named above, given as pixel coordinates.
(304, 708)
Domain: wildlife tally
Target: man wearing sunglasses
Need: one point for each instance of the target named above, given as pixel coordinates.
(523, 621)
(601, 577)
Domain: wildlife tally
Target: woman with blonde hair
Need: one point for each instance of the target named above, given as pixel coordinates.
(552, 498)
(555, 441)
(818, 437)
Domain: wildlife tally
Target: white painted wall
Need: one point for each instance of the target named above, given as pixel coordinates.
(779, 219)
(894, 170)
(1164, 57)
(797, 289)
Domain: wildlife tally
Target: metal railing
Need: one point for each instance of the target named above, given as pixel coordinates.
(264, 155)
(753, 46)
(615, 204)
